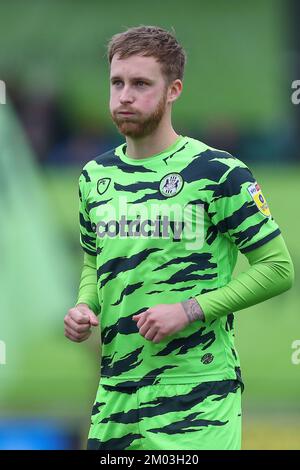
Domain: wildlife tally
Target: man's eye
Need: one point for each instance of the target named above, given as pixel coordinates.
(140, 84)
(117, 82)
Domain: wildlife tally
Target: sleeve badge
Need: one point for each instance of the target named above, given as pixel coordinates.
(257, 196)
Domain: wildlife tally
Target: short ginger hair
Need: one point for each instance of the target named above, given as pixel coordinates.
(150, 41)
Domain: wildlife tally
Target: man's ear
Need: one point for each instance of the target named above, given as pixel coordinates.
(174, 90)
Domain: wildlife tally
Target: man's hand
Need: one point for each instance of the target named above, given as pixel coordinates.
(78, 323)
(166, 319)
(160, 321)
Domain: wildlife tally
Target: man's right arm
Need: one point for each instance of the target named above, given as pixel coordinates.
(82, 317)
(88, 284)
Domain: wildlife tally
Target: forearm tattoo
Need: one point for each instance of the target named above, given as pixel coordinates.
(193, 310)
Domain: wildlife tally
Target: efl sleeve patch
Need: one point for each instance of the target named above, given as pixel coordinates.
(257, 196)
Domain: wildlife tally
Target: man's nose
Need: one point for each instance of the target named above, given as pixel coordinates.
(126, 95)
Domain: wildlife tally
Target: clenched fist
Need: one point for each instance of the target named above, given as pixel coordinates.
(78, 323)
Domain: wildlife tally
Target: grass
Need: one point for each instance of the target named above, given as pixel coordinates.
(270, 432)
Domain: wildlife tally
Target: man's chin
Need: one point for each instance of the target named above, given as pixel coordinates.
(130, 130)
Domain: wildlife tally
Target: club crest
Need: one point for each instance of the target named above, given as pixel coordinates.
(171, 184)
(102, 185)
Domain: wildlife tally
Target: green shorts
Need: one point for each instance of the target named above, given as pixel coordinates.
(167, 417)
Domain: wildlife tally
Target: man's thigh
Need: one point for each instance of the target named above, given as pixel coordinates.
(115, 420)
(191, 417)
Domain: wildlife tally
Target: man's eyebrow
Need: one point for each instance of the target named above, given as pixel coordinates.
(144, 79)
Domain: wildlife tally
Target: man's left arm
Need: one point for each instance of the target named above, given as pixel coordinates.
(271, 273)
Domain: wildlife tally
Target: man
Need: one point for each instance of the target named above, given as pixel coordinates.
(162, 219)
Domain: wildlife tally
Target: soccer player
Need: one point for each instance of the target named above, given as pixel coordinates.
(162, 218)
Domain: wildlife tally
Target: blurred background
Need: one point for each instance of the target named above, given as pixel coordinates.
(242, 60)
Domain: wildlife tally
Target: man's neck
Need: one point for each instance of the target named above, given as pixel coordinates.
(150, 145)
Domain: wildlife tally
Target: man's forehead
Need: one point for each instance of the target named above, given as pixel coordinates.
(135, 66)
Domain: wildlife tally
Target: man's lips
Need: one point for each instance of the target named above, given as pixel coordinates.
(125, 113)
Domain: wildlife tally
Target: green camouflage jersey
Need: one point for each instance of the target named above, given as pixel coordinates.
(164, 229)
